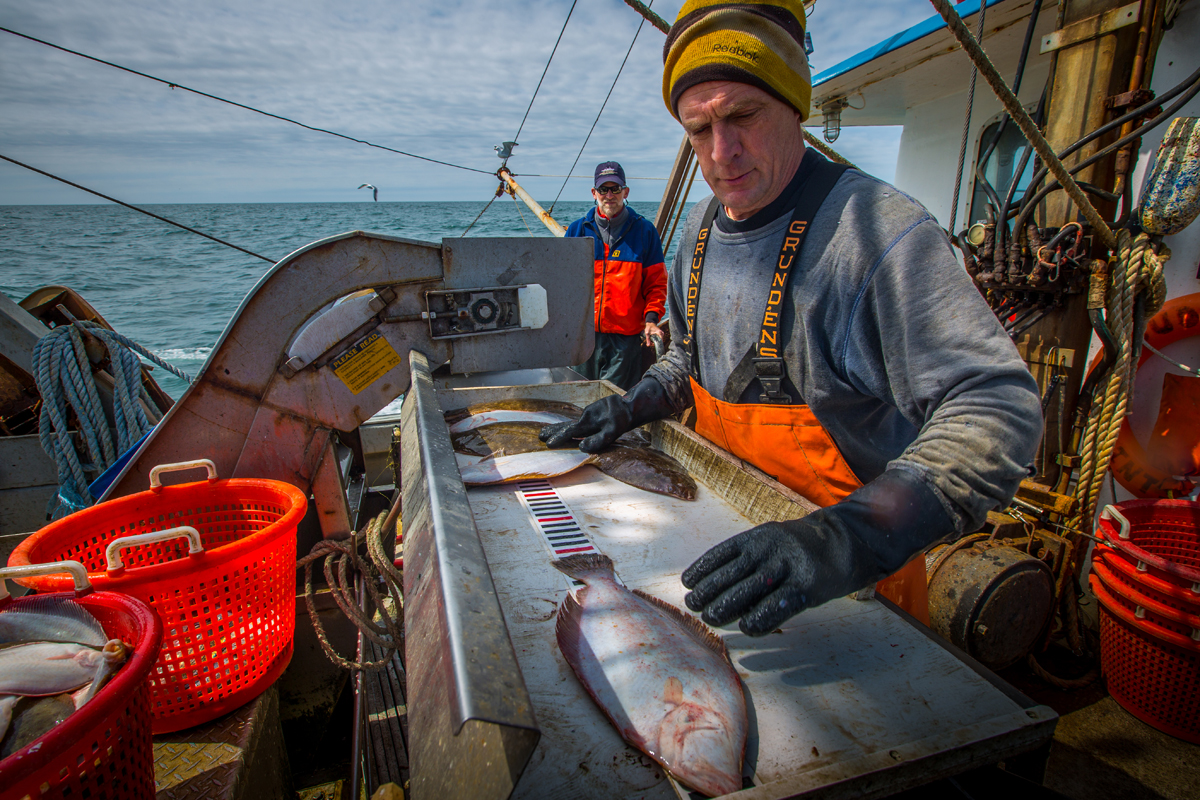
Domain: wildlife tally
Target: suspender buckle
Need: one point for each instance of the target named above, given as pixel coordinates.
(770, 373)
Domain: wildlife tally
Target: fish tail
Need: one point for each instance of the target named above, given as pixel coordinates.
(584, 566)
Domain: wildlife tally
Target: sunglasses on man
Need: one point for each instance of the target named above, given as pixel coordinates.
(610, 189)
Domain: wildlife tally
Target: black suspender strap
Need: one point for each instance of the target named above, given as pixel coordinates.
(763, 361)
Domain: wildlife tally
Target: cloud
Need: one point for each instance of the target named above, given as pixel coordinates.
(446, 80)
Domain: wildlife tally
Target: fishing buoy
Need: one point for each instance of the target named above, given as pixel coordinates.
(1171, 199)
(1178, 319)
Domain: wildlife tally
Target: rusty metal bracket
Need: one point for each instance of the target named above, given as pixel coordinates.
(1133, 99)
(1092, 27)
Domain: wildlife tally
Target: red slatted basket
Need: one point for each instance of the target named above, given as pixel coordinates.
(104, 749)
(228, 612)
(1146, 575)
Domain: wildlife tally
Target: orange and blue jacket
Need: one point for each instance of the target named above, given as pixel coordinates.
(631, 278)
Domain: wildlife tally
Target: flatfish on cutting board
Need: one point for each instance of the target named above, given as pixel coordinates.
(502, 416)
(512, 437)
(640, 467)
(564, 410)
(660, 676)
(524, 466)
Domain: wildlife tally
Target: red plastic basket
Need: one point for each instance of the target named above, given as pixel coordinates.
(227, 603)
(1144, 575)
(104, 749)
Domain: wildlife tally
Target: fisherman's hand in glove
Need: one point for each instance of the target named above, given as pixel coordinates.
(776, 570)
(609, 417)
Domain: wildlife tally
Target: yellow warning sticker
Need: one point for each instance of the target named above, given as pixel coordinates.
(365, 362)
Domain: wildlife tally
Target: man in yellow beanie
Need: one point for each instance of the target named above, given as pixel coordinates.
(823, 332)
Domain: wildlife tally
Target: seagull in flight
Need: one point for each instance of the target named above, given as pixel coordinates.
(374, 191)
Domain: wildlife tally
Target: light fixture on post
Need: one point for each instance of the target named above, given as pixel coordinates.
(831, 113)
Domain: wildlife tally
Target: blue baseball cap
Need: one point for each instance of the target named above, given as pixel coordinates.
(610, 172)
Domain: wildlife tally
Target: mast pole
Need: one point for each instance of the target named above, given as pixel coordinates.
(512, 187)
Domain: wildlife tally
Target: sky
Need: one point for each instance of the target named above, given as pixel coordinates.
(445, 79)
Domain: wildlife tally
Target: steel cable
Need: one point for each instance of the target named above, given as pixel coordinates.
(173, 85)
(135, 208)
(601, 111)
(962, 148)
(544, 71)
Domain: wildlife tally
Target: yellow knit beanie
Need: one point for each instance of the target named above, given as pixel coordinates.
(760, 43)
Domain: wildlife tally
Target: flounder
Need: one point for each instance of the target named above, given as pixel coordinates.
(30, 718)
(640, 467)
(662, 677)
(50, 619)
(502, 416)
(564, 410)
(510, 438)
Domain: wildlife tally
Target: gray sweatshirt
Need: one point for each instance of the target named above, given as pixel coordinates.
(885, 338)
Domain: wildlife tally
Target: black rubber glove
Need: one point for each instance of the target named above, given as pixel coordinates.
(776, 570)
(609, 417)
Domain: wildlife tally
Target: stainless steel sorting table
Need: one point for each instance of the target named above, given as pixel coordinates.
(851, 699)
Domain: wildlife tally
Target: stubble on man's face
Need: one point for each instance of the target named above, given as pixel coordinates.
(748, 143)
(610, 205)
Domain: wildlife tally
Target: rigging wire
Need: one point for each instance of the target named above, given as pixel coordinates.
(135, 208)
(962, 148)
(547, 69)
(485, 208)
(522, 214)
(602, 107)
(174, 85)
(529, 108)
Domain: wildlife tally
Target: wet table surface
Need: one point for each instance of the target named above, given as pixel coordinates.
(846, 690)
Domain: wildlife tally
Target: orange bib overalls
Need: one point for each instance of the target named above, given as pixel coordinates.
(782, 439)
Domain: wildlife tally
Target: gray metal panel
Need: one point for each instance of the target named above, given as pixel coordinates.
(19, 332)
(472, 724)
(563, 267)
(23, 463)
(255, 416)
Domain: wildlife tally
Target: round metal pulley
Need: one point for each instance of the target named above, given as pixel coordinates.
(484, 311)
(991, 601)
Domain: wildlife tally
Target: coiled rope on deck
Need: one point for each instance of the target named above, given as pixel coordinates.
(343, 562)
(1138, 273)
(63, 374)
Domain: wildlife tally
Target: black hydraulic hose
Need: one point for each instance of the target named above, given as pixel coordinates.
(1038, 117)
(1090, 188)
(1027, 208)
(1017, 320)
(1108, 347)
(981, 164)
(1192, 81)
(1027, 323)
(1064, 232)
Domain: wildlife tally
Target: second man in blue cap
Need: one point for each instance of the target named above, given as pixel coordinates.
(630, 277)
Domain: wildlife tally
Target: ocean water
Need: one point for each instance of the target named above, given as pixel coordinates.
(174, 292)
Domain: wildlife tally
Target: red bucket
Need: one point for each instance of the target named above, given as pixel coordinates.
(227, 601)
(104, 749)
(1144, 573)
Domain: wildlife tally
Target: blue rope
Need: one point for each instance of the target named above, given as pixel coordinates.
(63, 373)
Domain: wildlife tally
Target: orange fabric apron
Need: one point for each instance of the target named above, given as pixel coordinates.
(789, 444)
